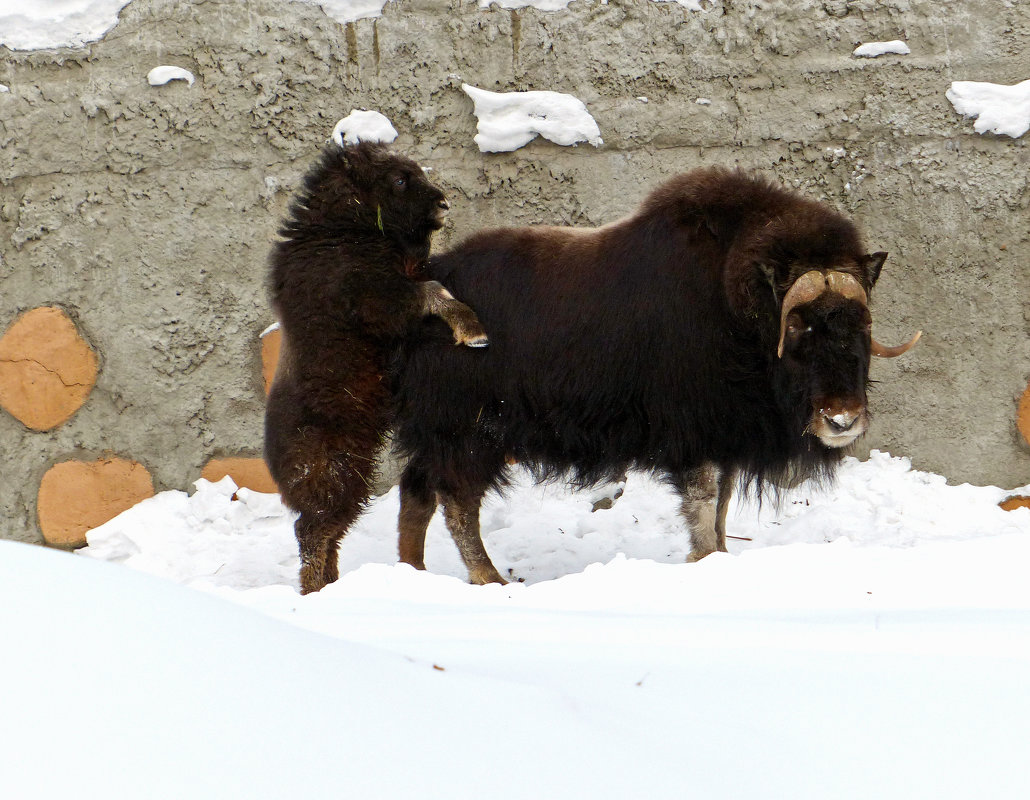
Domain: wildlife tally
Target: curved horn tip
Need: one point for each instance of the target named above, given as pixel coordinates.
(883, 351)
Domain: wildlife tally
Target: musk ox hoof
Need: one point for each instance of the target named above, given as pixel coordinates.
(483, 575)
(479, 341)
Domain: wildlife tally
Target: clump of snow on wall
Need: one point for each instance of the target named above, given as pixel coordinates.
(542, 5)
(159, 76)
(874, 49)
(363, 126)
(998, 108)
(558, 5)
(690, 5)
(510, 120)
(344, 11)
(56, 23)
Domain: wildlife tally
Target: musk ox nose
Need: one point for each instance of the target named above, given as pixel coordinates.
(841, 422)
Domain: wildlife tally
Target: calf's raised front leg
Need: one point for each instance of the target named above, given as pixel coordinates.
(464, 323)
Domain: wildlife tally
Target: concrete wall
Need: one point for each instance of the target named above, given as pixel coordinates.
(145, 213)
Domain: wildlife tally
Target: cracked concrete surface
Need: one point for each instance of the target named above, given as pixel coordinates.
(148, 211)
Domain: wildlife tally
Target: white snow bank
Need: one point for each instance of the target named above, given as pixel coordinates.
(874, 49)
(510, 120)
(363, 126)
(544, 532)
(887, 666)
(998, 108)
(140, 688)
(26, 25)
(159, 76)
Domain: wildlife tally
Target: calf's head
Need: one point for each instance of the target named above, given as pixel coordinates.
(826, 343)
(388, 193)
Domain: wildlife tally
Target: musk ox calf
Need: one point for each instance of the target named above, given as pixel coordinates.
(347, 284)
(720, 333)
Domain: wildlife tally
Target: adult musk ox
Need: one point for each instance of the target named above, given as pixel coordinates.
(721, 332)
(347, 282)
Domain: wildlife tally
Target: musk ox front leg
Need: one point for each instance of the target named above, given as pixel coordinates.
(418, 504)
(705, 493)
(464, 323)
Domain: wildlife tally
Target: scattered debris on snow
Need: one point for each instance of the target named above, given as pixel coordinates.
(159, 76)
(703, 101)
(4, 88)
(643, 100)
(510, 120)
(363, 126)
(998, 108)
(874, 49)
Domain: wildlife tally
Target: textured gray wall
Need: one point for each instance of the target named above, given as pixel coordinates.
(147, 212)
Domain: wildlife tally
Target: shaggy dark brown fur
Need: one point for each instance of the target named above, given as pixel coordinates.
(347, 283)
(676, 341)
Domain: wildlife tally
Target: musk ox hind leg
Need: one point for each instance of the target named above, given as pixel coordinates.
(461, 512)
(318, 541)
(464, 323)
(705, 494)
(327, 480)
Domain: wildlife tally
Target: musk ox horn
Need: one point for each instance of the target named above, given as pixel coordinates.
(812, 284)
(893, 352)
(804, 290)
(846, 285)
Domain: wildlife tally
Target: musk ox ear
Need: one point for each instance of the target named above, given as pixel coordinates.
(872, 263)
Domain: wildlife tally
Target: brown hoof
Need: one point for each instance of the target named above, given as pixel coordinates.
(485, 575)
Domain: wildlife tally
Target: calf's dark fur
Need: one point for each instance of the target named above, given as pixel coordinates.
(347, 284)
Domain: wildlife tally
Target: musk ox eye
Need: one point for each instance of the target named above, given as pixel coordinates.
(400, 181)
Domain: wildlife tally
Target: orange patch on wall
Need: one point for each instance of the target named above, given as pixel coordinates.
(76, 496)
(271, 343)
(46, 369)
(1012, 503)
(1023, 415)
(246, 473)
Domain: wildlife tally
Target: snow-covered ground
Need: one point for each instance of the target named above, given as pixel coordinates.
(867, 640)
